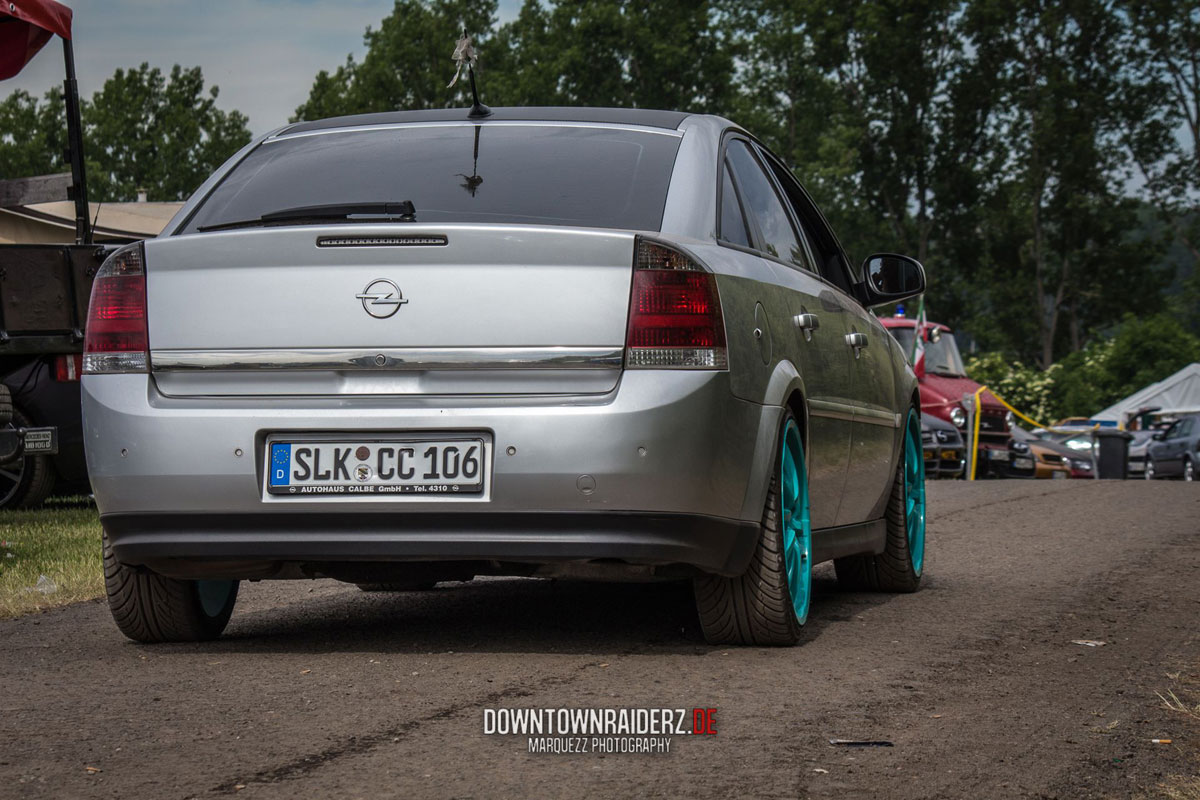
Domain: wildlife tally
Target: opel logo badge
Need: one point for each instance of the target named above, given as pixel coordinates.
(381, 299)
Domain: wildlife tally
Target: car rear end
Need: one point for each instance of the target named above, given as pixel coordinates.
(526, 374)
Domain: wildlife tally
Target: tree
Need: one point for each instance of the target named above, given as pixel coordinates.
(34, 134)
(144, 131)
(141, 131)
(566, 52)
(408, 61)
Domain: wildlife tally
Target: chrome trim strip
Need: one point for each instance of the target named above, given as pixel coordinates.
(830, 410)
(392, 358)
(508, 123)
(877, 416)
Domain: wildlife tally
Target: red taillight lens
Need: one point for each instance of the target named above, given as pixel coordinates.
(116, 339)
(68, 368)
(674, 313)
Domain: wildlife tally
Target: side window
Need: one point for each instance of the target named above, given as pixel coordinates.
(733, 222)
(778, 237)
(1185, 429)
(830, 262)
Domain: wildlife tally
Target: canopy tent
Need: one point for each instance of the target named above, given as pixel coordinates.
(1178, 394)
(25, 27)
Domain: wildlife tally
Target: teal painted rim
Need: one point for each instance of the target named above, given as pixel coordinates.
(213, 596)
(797, 525)
(914, 492)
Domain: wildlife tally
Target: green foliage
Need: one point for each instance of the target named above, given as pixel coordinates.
(1143, 351)
(142, 130)
(1029, 390)
(145, 131)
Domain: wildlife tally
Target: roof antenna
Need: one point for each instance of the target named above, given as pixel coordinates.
(464, 54)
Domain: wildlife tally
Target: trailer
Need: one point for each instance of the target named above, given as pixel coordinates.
(44, 292)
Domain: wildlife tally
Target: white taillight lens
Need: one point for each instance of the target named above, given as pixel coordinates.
(116, 338)
(675, 317)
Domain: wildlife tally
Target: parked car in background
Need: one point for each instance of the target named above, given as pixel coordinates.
(943, 447)
(1175, 452)
(942, 389)
(1051, 460)
(1139, 446)
(1080, 453)
(637, 352)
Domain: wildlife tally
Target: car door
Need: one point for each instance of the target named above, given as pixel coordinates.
(815, 344)
(871, 389)
(1163, 452)
(1179, 445)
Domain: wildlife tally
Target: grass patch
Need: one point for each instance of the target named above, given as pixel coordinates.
(60, 541)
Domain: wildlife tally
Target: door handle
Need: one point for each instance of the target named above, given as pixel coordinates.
(856, 340)
(806, 322)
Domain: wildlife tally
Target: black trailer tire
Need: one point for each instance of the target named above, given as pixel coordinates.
(35, 476)
(151, 608)
(6, 406)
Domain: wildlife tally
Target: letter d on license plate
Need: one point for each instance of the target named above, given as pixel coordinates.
(443, 466)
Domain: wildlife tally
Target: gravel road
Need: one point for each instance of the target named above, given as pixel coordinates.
(319, 690)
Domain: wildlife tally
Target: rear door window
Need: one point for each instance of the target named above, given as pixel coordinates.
(733, 222)
(576, 175)
(779, 238)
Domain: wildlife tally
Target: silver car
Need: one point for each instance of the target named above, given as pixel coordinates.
(402, 348)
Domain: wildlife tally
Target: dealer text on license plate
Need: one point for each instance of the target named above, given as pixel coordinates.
(435, 466)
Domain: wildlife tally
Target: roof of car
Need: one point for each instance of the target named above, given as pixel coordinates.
(618, 116)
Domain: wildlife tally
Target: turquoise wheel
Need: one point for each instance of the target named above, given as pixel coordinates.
(914, 492)
(797, 524)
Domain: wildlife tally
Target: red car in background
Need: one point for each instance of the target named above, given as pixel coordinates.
(942, 388)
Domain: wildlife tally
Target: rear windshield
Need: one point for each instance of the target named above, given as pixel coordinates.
(524, 174)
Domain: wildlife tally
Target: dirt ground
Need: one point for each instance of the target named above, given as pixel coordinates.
(319, 690)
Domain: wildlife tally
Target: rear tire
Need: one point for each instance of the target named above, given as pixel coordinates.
(6, 406)
(898, 568)
(151, 608)
(768, 604)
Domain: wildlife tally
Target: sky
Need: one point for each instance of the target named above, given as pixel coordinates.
(263, 54)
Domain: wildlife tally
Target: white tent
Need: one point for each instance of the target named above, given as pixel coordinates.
(1178, 394)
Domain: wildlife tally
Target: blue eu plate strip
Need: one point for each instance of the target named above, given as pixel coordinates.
(281, 464)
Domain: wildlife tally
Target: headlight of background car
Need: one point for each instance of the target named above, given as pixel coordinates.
(958, 417)
(1010, 420)
(1080, 464)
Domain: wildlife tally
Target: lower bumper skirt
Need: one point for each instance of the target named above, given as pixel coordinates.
(712, 544)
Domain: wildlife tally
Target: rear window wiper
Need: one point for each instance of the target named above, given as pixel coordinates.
(402, 211)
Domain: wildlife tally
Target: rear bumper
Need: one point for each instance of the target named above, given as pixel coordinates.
(257, 543)
(669, 467)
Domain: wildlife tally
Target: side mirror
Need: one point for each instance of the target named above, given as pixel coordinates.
(890, 278)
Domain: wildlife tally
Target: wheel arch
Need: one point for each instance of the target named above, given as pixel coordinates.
(784, 392)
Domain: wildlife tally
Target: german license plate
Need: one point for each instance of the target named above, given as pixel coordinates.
(448, 466)
(1059, 474)
(1022, 462)
(997, 455)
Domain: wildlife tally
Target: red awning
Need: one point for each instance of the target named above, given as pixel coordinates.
(26, 25)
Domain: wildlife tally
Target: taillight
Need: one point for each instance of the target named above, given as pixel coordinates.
(674, 312)
(68, 367)
(116, 339)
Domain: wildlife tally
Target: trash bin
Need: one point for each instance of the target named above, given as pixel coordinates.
(1112, 453)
